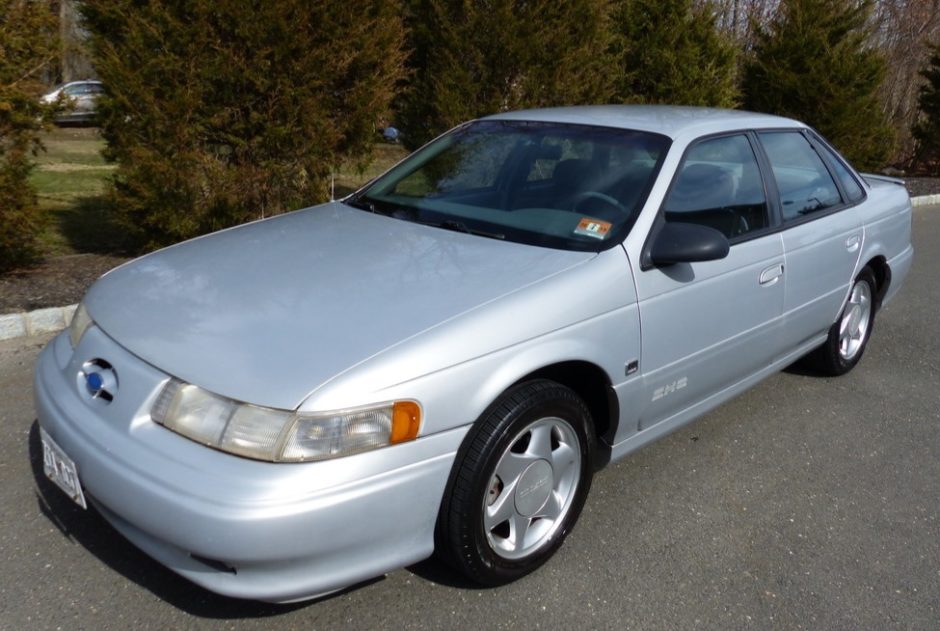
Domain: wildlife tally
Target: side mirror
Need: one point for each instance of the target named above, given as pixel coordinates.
(686, 243)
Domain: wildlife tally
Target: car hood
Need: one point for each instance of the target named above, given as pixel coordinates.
(267, 312)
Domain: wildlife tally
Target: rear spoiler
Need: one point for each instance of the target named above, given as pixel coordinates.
(882, 178)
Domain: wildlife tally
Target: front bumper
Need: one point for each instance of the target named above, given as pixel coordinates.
(276, 532)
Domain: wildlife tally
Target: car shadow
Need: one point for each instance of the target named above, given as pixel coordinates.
(803, 368)
(435, 571)
(90, 530)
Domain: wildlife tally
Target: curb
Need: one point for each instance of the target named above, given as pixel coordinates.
(35, 322)
(53, 319)
(925, 200)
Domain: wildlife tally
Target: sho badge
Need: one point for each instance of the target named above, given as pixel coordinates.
(668, 389)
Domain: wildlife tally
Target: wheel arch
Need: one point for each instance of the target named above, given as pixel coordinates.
(462, 536)
(882, 271)
(592, 384)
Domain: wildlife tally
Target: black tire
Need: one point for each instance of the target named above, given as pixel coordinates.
(838, 355)
(531, 420)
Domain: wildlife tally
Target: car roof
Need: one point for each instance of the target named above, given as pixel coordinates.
(669, 120)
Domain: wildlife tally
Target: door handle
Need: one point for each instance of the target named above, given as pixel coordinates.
(771, 275)
(851, 244)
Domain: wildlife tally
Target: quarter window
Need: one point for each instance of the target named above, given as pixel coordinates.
(849, 184)
(719, 185)
(803, 181)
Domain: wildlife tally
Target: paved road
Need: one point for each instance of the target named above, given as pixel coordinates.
(805, 503)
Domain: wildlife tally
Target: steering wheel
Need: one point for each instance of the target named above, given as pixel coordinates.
(741, 225)
(580, 198)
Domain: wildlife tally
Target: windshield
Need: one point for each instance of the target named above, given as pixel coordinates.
(574, 187)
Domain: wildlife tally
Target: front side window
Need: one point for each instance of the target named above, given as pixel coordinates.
(719, 185)
(803, 181)
(78, 89)
(573, 187)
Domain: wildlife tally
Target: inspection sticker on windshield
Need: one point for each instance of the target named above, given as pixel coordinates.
(593, 228)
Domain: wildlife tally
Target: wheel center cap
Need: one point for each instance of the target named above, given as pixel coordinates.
(534, 488)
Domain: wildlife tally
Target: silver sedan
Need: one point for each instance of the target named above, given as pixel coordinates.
(441, 361)
(79, 101)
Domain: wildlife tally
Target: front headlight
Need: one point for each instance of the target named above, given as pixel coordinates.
(279, 435)
(80, 323)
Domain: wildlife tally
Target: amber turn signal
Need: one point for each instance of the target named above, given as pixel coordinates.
(406, 420)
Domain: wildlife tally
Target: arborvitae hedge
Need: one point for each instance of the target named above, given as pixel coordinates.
(474, 57)
(670, 51)
(27, 49)
(927, 130)
(814, 63)
(223, 111)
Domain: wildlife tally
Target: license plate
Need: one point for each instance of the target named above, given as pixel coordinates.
(59, 468)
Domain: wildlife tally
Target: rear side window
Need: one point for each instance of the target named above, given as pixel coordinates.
(719, 185)
(803, 181)
(849, 184)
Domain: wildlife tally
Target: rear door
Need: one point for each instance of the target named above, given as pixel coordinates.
(707, 325)
(822, 234)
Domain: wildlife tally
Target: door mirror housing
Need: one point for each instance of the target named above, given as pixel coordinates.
(679, 242)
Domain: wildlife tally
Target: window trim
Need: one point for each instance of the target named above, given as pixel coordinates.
(816, 139)
(771, 192)
(797, 221)
(770, 195)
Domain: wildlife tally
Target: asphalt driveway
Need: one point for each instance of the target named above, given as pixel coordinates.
(806, 503)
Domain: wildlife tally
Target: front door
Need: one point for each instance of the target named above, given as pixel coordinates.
(708, 325)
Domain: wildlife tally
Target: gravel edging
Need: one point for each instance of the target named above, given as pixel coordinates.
(53, 319)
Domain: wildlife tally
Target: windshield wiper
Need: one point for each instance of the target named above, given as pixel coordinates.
(381, 207)
(459, 226)
(409, 213)
(456, 226)
(361, 203)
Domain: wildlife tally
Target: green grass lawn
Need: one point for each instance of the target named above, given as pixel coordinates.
(71, 177)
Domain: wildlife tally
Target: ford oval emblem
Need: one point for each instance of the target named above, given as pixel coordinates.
(100, 380)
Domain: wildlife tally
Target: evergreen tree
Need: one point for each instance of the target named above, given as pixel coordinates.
(926, 130)
(222, 111)
(813, 62)
(671, 51)
(476, 57)
(27, 50)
